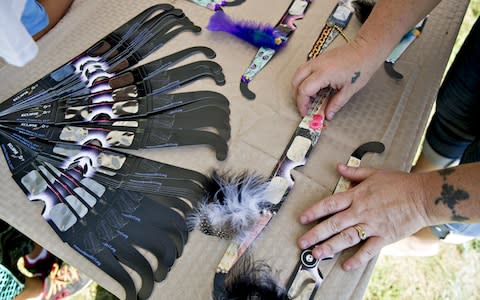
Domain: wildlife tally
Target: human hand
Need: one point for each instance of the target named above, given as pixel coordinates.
(388, 205)
(343, 68)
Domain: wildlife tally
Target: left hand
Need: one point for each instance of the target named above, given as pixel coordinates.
(388, 205)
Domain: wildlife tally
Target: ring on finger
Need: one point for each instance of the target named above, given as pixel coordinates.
(361, 232)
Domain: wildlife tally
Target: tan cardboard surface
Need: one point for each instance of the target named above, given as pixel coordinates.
(393, 112)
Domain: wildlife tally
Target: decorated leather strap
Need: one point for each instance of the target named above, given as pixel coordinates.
(307, 278)
(336, 22)
(281, 181)
(284, 28)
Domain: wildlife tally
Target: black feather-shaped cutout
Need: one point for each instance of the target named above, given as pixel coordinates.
(90, 213)
(249, 280)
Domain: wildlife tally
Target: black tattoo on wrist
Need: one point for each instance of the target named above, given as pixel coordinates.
(445, 172)
(451, 196)
(355, 76)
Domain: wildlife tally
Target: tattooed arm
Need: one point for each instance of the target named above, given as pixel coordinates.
(349, 67)
(390, 206)
(459, 199)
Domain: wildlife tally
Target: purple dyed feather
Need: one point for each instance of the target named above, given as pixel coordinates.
(259, 35)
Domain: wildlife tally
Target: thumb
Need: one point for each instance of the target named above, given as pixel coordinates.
(353, 173)
(336, 102)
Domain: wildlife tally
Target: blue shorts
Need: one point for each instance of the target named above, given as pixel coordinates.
(454, 131)
(34, 17)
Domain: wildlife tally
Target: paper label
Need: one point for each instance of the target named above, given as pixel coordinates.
(299, 148)
(276, 189)
(298, 8)
(344, 184)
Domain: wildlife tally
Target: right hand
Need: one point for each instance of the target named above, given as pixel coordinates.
(343, 68)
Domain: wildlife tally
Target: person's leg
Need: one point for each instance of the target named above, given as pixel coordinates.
(455, 123)
(430, 160)
(32, 289)
(37, 263)
(55, 9)
(35, 266)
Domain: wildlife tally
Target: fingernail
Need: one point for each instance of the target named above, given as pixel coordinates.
(342, 167)
(330, 115)
(347, 267)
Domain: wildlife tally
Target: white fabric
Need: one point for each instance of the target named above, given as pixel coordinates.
(16, 45)
(437, 159)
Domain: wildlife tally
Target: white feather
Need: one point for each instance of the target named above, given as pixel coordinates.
(235, 206)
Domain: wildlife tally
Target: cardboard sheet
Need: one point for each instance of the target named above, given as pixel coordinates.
(393, 112)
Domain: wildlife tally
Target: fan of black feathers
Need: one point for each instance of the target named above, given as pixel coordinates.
(249, 280)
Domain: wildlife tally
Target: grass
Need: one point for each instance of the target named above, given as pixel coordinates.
(473, 11)
(454, 273)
